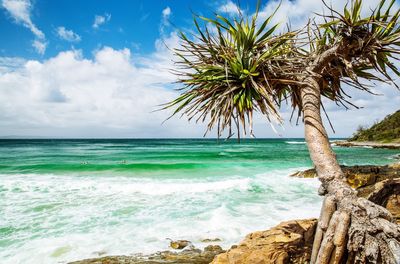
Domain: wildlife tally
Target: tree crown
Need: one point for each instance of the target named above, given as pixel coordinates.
(231, 67)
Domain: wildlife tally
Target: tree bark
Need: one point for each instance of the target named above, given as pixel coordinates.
(350, 229)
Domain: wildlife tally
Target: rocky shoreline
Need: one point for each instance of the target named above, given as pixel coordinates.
(189, 255)
(288, 242)
(369, 144)
(380, 184)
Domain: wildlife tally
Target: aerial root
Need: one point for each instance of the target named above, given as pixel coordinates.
(339, 239)
(358, 230)
(327, 245)
(328, 208)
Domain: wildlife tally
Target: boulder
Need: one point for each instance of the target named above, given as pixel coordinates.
(289, 242)
(179, 244)
(380, 184)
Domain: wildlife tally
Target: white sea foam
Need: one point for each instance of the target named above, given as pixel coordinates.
(112, 185)
(295, 142)
(56, 219)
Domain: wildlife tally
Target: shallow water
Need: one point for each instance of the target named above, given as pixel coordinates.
(63, 200)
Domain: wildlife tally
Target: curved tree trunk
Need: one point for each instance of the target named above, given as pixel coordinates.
(350, 229)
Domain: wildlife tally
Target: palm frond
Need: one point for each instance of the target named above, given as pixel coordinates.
(233, 71)
(232, 67)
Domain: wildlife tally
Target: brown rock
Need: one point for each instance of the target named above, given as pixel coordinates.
(289, 242)
(368, 180)
(387, 194)
(310, 173)
(371, 144)
(212, 248)
(393, 205)
(186, 256)
(208, 240)
(179, 244)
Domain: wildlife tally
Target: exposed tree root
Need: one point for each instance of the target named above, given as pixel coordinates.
(350, 229)
(328, 208)
(358, 229)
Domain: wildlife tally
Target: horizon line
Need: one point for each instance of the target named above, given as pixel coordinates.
(221, 138)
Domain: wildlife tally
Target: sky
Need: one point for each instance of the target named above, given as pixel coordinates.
(100, 68)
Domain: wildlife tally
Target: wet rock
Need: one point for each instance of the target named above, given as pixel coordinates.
(186, 256)
(367, 144)
(393, 205)
(379, 184)
(310, 173)
(395, 165)
(209, 240)
(213, 248)
(289, 242)
(360, 176)
(179, 244)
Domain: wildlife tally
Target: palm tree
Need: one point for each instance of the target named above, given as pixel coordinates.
(234, 66)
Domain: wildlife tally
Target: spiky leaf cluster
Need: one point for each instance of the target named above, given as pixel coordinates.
(233, 67)
(368, 47)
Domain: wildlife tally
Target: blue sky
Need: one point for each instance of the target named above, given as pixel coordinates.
(72, 68)
(123, 24)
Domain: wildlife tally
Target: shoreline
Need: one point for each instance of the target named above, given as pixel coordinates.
(370, 144)
(288, 241)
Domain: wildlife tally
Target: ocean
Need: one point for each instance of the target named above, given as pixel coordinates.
(68, 199)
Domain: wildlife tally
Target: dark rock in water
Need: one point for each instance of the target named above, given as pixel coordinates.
(213, 248)
(360, 176)
(179, 244)
(289, 242)
(310, 173)
(380, 184)
(209, 240)
(186, 256)
(367, 144)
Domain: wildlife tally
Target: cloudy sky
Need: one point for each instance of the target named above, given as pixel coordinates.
(100, 68)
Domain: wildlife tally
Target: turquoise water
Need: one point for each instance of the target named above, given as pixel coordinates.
(63, 200)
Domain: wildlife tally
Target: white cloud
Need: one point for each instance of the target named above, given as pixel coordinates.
(297, 12)
(101, 20)
(20, 11)
(166, 12)
(111, 94)
(9, 64)
(67, 35)
(114, 93)
(40, 46)
(230, 7)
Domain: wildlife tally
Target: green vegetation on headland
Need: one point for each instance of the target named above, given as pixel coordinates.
(385, 131)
